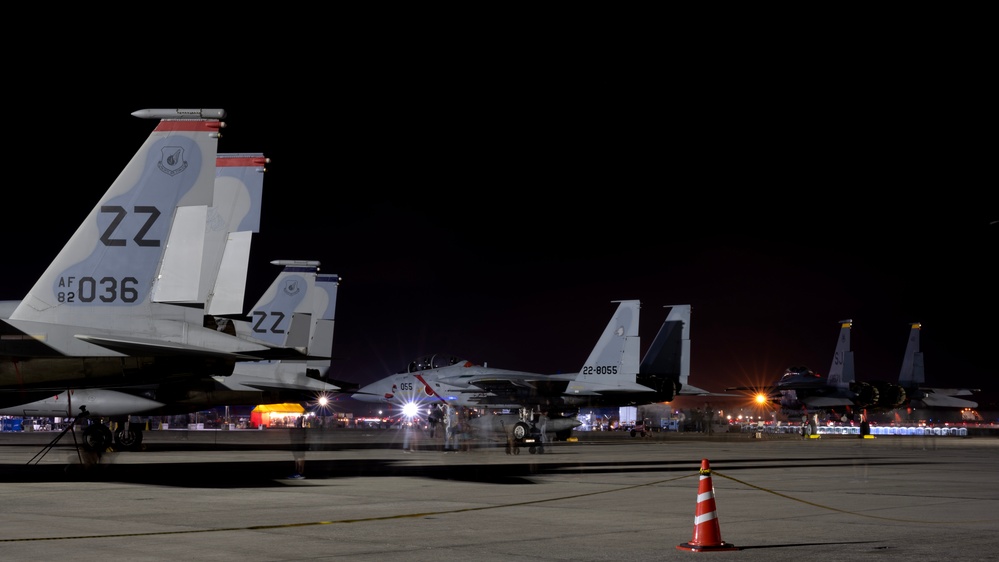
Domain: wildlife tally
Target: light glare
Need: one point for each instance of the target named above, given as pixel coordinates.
(410, 409)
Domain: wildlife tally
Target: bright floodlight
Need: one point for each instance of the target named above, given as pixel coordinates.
(410, 409)
(761, 398)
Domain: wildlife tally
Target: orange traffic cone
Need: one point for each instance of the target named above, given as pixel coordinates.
(707, 534)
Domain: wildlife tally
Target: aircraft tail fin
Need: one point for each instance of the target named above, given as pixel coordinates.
(614, 361)
(912, 377)
(296, 311)
(324, 309)
(912, 374)
(219, 284)
(104, 275)
(667, 360)
(841, 372)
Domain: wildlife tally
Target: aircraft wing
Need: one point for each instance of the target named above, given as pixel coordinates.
(514, 387)
(278, 376)
(688, 390)
(951, 391)
(933, 400)
(344, 386)
(138, 346)
(826, 401)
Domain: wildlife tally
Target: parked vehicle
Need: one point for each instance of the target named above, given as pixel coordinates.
(641, 427)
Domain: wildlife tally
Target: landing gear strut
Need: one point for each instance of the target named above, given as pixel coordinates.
(526, 431)
(128, 436)
(125, 437)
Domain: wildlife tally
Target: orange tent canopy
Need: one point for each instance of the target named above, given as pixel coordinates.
(287, 408)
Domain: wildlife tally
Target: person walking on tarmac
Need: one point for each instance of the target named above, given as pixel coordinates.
(450, 428)
(543, 430)
(299, 445)
(434, 419)
(462, 443)
(411, 434)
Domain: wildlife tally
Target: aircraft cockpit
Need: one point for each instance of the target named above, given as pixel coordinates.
(799, 373)
(434, 361)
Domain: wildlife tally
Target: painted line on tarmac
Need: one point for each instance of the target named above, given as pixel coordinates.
(345, 521)
(836, 509)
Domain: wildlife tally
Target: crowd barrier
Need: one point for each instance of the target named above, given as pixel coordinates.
(896, 430)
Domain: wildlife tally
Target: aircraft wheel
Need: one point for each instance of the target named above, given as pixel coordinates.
(97, 437)
(520, 431)
(130, 438)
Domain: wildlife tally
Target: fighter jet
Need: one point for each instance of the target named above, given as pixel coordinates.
(611, 376)
(801, 390)
(92, 318)
(299, 293)
(140, 293)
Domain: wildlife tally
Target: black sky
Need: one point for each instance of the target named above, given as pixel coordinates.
(495, 212)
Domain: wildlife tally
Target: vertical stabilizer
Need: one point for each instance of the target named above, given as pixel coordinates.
(102, 278)
(222, 240)
(235, 217)
(669, 353)
(912, 377)
(283, 317)
(614, 361)
(324, 308)
(304, 375)
(912, 374)
(841, 370)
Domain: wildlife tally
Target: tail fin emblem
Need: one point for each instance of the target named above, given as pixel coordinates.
(172, 160)
(292, 287)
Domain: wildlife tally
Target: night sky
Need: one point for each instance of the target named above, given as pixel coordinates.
(498, 218)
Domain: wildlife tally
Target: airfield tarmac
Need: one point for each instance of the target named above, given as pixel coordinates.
(218, 495)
